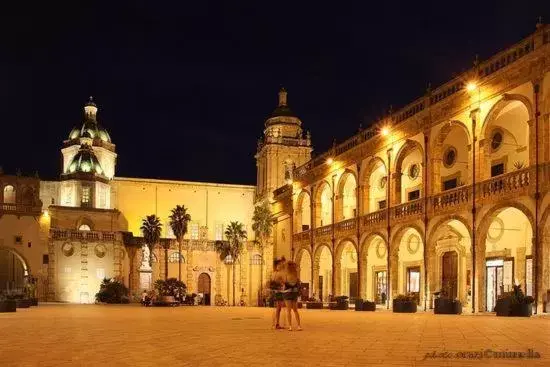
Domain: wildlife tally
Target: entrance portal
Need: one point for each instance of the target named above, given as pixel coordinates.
(413, 282)
(499, 280)
(12, 272)
(204, 288)
(449, 274)
(380, 287)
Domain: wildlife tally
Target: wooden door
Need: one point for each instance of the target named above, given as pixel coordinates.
(204, 287)
(449, 276)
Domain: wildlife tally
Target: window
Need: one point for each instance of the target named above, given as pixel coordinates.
(84, 227)
(414, 171)
(256, 259)
(175, 258)
(450, 184)
(496, 140)
(497, 169)
(449, 158)
(194, 231)
(414, 195)
(218, 232)
(9, 194)
(18, 240)
(45, 259)
(86, 196)
(382, 204)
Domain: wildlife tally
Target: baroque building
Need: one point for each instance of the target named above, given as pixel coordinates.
(448, 193)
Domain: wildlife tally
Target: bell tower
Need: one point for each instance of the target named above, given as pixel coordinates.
(283, 147)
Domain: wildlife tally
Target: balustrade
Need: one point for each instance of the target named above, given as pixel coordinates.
(407, 209)
(507, 183)
(58, 234)
(451, 198)
(374, 218)
(346, 225)
(323, 231)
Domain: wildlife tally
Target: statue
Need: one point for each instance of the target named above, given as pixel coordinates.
(145, 258)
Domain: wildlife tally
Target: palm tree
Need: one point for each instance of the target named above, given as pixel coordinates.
(232, 248)
(262, 224)
(151, 228)
(178, 221)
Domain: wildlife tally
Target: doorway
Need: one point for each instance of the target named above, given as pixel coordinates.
(353, 284)
(204, 288)
(380, 287)
(413, 283)
(449, 274)
(499, 280)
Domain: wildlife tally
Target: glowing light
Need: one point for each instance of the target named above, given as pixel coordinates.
(471, 86)
(45, 213)
(385, 131)
(289, 181)
(330, 160)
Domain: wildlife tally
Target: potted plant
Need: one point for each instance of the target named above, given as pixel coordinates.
(112, 291)
(314, 304)
(361, 305)
(443, 304)
(7, 305)
(169, 291)
(515, 303)
(340, 303)
(20, 300)
(404, 304)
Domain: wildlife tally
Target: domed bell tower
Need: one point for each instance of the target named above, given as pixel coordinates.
(283, 147)
(89, 161)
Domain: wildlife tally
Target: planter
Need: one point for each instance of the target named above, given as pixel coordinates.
(314, 305)
(404, 306)
(338, 305)
(359, 304)
(8, 306)
(447, 306)
(23, 303)
(522, 310)
(368, 306)
(34, 301)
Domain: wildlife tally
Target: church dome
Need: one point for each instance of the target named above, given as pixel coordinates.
(85, 161)
(90, 128)
(282, 114)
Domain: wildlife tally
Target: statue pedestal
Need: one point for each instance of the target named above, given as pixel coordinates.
(145, 279)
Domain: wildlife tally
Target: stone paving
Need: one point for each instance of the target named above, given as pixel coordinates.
(129, 335)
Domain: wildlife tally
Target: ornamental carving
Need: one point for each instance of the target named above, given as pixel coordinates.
(203, 269)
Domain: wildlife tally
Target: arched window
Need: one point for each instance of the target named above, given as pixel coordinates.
(84, 227)
(9, 194)
(175, 256)
(256, 259)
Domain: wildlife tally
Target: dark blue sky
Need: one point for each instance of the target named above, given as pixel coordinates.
(184, 87)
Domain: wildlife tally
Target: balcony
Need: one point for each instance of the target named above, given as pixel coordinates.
(451, 200)
(503, 187)
(20, 209)
(84, 236)
(407, 210)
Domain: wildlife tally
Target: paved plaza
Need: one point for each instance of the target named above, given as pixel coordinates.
(129, 335)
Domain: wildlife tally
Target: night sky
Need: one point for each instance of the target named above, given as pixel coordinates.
(184, 89)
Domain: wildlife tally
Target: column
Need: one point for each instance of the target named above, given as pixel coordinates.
(51, 296)
(337, 276)
(362, 264)
(394, 262)
(191, 286)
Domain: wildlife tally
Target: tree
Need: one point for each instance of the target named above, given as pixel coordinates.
(151, 228)
(179, 219)
(262, 225)
(231, 249)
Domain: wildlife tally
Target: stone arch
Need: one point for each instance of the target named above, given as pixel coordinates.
(371, 193)
(345, 268)
(304, 260)
(27, 196)
(400, 231)
(399, 193)
(9, 194)
(481, 249)
(323, 204)
(346, 204)
(407, 262)
(436, 227)
(373, 264)
(439, 171)
(368, 240)
(323, 267)
(20, 257)
(500, 104)
(516, 136)
(302, 211)
(16, 273)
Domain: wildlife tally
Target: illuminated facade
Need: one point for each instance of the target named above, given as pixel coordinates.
(449, 193)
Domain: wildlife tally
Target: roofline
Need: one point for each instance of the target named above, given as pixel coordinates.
(175, 182)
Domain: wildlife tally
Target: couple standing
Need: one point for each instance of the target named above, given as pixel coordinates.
(286, 287)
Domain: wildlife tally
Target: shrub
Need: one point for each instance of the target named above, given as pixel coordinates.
(171, 287)
(112, 291)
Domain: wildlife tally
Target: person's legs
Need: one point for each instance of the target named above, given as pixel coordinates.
(276, 312)
(288, 304)
(296, 314)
